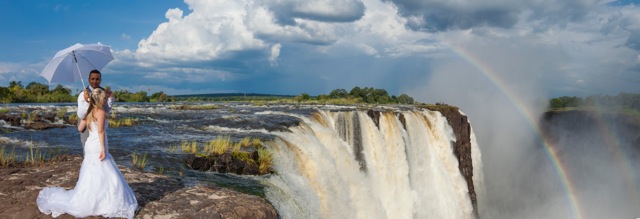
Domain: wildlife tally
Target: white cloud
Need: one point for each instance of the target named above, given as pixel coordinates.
(208, 32)
(239, 38)
(275, 53)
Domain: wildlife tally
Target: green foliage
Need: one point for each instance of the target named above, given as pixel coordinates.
(160, 97)
(358, 95)
(620, 101)
(338, 93)
(34, 92)
(61, 112)
(126, 96)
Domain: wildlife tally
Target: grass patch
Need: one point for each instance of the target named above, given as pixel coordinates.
(34, 156)
(245, 142)
(218, 146)
(4, 110)
(236, 147)
(7, 159)
(243, 156)
(139, 161)
(257, 143)
(61, 112)
(187, 147)
(265, 160)
(73, 119)
(124, 122)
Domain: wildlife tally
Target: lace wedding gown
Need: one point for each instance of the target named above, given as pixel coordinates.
(101, 189)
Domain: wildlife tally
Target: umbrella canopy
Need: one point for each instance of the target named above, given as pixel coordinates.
(74, 63)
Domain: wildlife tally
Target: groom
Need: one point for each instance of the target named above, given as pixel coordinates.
(95, 77)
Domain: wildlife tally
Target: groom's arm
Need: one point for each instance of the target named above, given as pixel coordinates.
(83, 106)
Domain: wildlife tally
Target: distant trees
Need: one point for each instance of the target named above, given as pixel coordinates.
(360, 95)
(36, 92)
(126, 96)
(622, 100)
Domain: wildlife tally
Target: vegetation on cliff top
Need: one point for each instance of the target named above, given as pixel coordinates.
(623, 103)
(620, 101)
(36, 92)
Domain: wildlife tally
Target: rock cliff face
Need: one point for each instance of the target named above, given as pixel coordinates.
(158, 196)
(593, 128)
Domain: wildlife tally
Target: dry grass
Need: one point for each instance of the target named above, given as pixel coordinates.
(218, 146)
(139, 161)
(7, 159)
(243, 156)
(124, 122)
(265, 160)
(191, 148)
(245, 142)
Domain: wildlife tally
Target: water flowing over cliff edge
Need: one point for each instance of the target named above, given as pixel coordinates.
(330, 161)
(377, 164)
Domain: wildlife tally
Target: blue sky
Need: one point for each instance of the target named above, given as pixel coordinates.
(423, 48)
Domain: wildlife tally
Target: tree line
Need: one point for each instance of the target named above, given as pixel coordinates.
(36, 92)
(620, 101)
(361, 95)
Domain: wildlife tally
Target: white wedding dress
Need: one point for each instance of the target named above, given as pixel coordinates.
(101, 189)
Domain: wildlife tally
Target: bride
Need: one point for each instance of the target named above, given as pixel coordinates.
(101, 189)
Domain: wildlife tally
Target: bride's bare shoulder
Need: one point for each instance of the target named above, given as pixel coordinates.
(100, 112)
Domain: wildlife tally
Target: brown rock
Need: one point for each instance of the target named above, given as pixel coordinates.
(158, 196)
(42, 125)
(14, 120)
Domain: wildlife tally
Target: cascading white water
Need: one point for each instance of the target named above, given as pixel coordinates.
(341, 165)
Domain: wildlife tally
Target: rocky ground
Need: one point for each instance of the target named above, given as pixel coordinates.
(158, 196)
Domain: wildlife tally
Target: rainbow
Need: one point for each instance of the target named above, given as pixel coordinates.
(614, 146)
(506, 89)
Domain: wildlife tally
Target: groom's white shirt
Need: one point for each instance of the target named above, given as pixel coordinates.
(83, 105)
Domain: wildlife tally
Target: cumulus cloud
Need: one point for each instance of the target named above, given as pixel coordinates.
(206, 33)
(342, 38)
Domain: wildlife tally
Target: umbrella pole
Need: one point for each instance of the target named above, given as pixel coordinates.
(81, 79)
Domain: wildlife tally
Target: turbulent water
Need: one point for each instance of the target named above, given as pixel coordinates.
(331, 161)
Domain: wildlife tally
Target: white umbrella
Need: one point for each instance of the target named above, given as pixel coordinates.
(75, 63)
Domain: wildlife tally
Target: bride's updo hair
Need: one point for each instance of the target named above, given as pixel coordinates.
(97, 100)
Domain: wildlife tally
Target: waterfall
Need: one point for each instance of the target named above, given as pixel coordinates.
(348, 165)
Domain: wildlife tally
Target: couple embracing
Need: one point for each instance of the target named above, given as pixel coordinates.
(101, 189)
